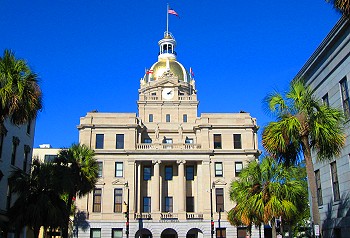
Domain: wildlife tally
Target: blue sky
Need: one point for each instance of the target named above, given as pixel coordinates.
(91, 54)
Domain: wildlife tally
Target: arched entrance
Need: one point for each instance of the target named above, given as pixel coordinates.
(194, 233)
(169, 233)
(143, 233)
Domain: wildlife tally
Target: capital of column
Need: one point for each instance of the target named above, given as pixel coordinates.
(156, 161)
(181, 162)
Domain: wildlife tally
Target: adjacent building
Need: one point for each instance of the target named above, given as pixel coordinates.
(165, 171)
(328, 72)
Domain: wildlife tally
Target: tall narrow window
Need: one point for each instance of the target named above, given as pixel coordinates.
(118, 169)
(189, 172)
(168, 204)
(167, 117)
(238, 168)
(345, 96)
(184, 117)
(319, 188)
(1, 141)
(168, 172)
(119, 141)
(95, 232)
(9, 197)
(335, 182)
(146, 204)
(147, 173)
(325, 100)
(15, 143)
(150, 117)
(189, 204)
(217, 141)
(97, 200)
(100, 169)
(218, 169)
(220, 232)
(237, 141)
(118, 199)
(26, 154)
(99, 141)
(29, 123)
(219, 199)
(117, 233)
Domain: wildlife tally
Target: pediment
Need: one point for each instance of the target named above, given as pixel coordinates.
(219, 182)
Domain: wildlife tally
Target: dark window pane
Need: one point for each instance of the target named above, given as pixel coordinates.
(219, 199)
(335, 183)
(118, 169)
(218, 169)
(189, 172)
(147, 173)
(117, 233)
(146, 204)
(100, 168)
(168, 204)
(99, 141)
(184, 118)
(120, 141)
(345, 96)
(49, 158)
(189, 204)
(238, 168)
(97, 200)
(168, 172)
(118, 199)
(150, 117)
(167, 117)
(237, 141)
(319, 189)
(95, 232)
(217, 141)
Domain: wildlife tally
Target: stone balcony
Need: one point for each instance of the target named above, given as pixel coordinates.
(168, 216)
(162, 146)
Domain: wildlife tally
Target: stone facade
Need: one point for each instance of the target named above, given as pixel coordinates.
(327, 72)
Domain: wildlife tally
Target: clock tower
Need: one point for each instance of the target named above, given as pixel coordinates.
(167, 91)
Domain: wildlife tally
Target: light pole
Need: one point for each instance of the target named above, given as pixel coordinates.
(211, 211)
(127, 211)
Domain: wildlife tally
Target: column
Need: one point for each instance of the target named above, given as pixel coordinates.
(181, 184)
(138, 166)
(155, 187)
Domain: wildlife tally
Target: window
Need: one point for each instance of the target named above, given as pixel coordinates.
(147, 173)
(97, 200)
(168, 172)
(15, 143)
(189, 204)
(168, 204)
(218, 169)
(167, 117)
(220, 232)
(118, 199)
(25, 160)
(345, 96)
(146, 204)
(184, 117)
(219, 192)
(95, 232)
(49, 158)
(117, 233)
(118, 169)
(217, 141)
(238, 168)
(189, 172)
(100, 168)
(318, 186)
(325, 100)
(119, 138)
(1, 142)
(147, 141)
(241, 232)
(237, 141)
(335, 183)
(29, 126)
(99, 141)
(188, 140)
(150, 118)
(9, 197)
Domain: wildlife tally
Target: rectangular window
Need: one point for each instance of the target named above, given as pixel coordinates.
(188, 140)
(150, 118)
(335, 182)
(218, 169)
(189, 172)
(117, 233)
(147, 141)
(9, 197)
(99, 141)
(95, 232)
(146, 204)
(325, 100)
(29, 123)
(184, 117)
(168, 204)
(97, 197)
(220, 232)
(49, 158)
(147, 173)
(217, 141)
(25, 160)
(15, 143)
(100, 168)
(345, 96)
(189, 204)
(119, 138)
(219, 193)
(237, 141)
(168, 172)
(167, 117)
(241, 232)
(238, 168)
(1, 142)
(118, 200)
(319, 188)
(118, 169)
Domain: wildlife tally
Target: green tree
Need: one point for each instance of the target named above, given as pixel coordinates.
(303, 123)
(79, 171)
(38, 200)
(268, 190)
(342, 6)
(20, 95)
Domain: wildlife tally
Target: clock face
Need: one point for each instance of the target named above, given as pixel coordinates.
(168, 93)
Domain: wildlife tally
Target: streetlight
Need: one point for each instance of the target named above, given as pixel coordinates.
(126, 185)
(211, 211)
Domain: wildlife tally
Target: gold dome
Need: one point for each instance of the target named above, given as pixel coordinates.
(175, 67)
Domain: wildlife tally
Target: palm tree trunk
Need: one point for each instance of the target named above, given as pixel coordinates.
(273, 226)
(66, 223)
(311, 180)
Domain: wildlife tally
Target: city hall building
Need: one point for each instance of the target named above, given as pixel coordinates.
(165, 171)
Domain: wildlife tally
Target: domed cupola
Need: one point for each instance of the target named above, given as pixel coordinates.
(167, 47)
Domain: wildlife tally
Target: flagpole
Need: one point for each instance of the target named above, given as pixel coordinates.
(167, 20)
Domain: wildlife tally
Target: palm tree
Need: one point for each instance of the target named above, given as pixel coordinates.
(342, 6)
(303, 124)
(20, 95)
(265, 191)
(39, 200)
(79, 171)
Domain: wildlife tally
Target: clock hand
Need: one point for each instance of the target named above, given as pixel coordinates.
(168, 93)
